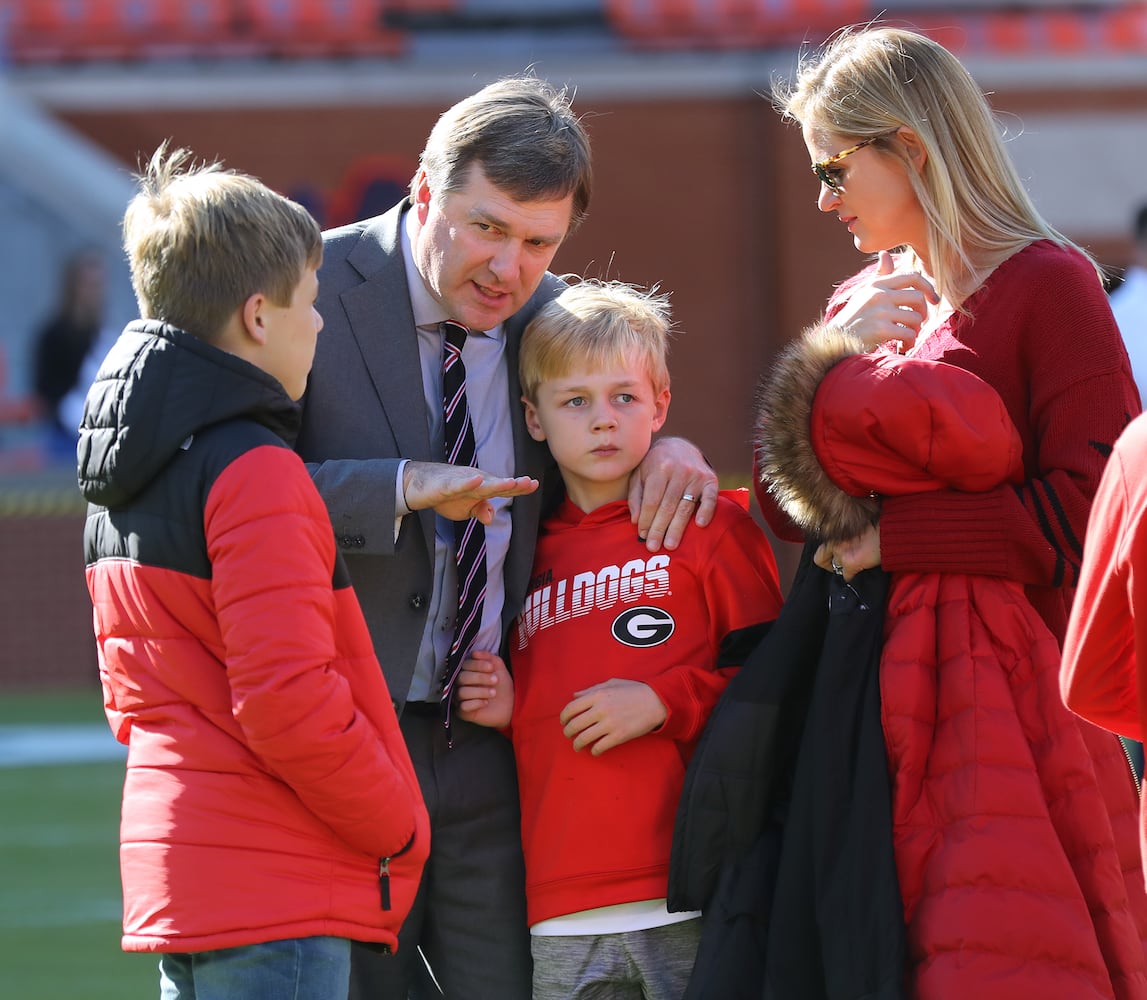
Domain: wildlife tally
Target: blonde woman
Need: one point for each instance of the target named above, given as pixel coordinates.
(909, 158)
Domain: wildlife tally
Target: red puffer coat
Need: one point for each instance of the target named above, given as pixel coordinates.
(269, 793)
(1014, 881)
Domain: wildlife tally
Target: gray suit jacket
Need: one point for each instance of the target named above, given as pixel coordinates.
(364, 412)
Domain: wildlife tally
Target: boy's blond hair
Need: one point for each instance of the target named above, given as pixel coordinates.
(201, 240)
(596, 323)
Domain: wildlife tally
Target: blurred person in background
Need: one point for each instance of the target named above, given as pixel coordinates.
(66, 340)
(1129, 301)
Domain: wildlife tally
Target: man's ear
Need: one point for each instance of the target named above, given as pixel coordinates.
(254, 314)
(532, 423)
(661, 408)
(420, 194)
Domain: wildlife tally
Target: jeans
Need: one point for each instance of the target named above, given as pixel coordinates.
(311, 968)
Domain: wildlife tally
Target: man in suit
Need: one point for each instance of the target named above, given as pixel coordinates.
(504, 178)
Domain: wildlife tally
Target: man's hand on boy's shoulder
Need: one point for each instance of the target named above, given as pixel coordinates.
(673, 486)
(611, 713)
(484, 692)
(459, 492)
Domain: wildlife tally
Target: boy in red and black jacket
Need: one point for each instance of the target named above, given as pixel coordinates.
(271, 814)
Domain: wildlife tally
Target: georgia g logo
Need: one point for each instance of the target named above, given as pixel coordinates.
(643, 626)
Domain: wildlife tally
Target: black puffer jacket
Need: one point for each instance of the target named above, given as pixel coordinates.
(784, 833)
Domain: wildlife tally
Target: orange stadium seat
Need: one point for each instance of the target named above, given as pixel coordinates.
(35, 31)
(1081, 31)
(187, 27)
(370, 185)
(815, 19)
(956, 35)
(41, 30)
(728, 23)
(14, 409)
(44, 30)
(322, 27)
(1124, 29)
(652, 21)
(1009, 32)
(1063, 31)
(423, 6)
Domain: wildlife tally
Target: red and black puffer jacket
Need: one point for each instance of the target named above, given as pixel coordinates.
(269, 793)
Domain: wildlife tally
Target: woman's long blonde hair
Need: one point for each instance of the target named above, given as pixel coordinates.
(868, 81)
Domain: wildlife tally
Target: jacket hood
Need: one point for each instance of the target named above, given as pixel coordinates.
(157, 387)
(838, 429)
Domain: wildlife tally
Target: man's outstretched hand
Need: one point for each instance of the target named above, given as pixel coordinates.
(459, 492)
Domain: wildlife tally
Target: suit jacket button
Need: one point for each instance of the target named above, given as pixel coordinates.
(359, 541)
(417, 601)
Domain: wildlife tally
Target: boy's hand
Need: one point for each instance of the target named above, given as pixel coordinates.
(671, 471)
(606, 715)
(484, 691)
(459, 491)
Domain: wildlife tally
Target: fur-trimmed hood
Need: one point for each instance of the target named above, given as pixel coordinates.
(838, 428)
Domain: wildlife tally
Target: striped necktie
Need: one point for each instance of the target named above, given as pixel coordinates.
(469, 536)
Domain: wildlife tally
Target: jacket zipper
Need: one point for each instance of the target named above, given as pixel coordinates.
(384, 882)
(384, 873)
(1136, 779)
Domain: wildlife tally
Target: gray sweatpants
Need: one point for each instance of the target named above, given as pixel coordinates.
(651, 964)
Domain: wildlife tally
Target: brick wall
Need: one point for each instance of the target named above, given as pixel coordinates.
(45, 613)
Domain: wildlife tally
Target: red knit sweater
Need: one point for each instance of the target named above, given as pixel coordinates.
(1041, 333)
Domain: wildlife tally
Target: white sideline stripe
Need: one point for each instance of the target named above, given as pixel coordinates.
(49, 743)
(47, 911)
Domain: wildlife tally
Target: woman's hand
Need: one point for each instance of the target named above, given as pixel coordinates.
(889, 306)
(852, 556)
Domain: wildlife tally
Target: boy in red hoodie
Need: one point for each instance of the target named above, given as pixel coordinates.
(614, 655)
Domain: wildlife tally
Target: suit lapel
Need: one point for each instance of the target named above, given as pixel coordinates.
(382, 324)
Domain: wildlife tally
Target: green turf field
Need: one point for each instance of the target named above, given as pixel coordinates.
(59, 875)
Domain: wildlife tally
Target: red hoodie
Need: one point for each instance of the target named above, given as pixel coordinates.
(597, 830)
